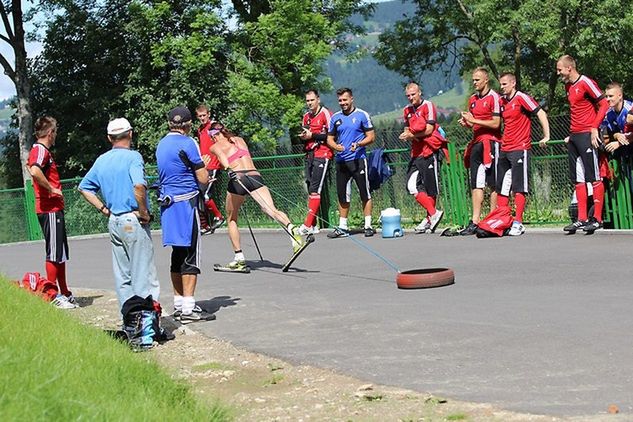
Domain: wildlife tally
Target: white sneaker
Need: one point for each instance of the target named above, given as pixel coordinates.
(423, 226)
(62, 302)
(517, 229)
(304, 230)
(315, 229)
(435, 219)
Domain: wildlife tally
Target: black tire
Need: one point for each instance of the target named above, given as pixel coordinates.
(425, 278)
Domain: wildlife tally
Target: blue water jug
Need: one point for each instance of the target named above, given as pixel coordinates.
(390, 219)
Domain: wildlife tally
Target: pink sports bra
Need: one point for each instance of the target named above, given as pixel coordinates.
(238, 154)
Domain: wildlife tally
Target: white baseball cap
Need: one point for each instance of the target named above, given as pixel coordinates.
(119, 126)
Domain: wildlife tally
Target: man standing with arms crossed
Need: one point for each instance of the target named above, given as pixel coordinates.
(316, 123)
(513, 168)
(180, 169)
(615, 120)
(484, 117)
(119, 175)
(423, 173)
(588, 108)
(49, 206)
(205, 142)
(351, 130)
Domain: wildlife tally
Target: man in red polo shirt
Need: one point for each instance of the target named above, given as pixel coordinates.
(318, 155)
(423, 173)
(513, 168)
(205, 142)
(49, 206)
(588, 108)
(484, 117)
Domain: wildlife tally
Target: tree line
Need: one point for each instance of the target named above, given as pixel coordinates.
(251, 61)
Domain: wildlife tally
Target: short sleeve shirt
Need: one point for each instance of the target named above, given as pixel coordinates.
(615, 122)
(485, 107)
(583, 96)
(349, 129)
(177, 177)
(115, 174)
(41, 157)
(517, 123)
(416, 119)
(318, 124)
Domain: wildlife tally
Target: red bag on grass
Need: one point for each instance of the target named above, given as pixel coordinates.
(36, 284)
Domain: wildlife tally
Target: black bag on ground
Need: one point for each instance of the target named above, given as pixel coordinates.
(141, 322)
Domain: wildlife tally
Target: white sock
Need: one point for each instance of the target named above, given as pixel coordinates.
(342, 223)
(178, 302)
(188, 302)
(367, 221)
(239, 256)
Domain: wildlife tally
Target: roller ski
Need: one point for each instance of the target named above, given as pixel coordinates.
(233, 267)
(297, 251)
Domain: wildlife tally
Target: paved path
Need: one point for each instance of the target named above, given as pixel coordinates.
(540, 324)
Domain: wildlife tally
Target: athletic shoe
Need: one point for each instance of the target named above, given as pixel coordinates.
(435, 219)
(592, 225)
(217, 223)
(72, 300)
(191, 317)
(517, 229)
(237, 265)
(423, 226)
(62, 302)
(297, 240)
(369, 232)
(305, 230)
(338, 233)
(469, 230)
(576, 225)
(315, 229)
(206, 229)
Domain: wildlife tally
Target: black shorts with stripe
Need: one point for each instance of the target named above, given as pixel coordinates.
(249, 182)
(423, 175)
(480, 176)
(315, 172)
(345, 172)
(54, 230)
(513, 172)
(583, 158)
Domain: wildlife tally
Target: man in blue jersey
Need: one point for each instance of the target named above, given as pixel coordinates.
(180, 169)
(615, 120)
(351, 130)
(119, 177)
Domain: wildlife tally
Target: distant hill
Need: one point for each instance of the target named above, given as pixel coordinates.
(376, 89)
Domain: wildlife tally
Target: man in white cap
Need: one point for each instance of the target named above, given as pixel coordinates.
(119, 177)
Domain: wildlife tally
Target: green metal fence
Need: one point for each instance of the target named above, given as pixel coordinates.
(283, 174)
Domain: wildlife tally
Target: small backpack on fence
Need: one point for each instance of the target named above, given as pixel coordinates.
(495, 224)
(379, 170)
(36, 284)
(141, 322)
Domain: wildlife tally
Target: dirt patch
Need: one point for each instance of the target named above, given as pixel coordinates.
(261, 388)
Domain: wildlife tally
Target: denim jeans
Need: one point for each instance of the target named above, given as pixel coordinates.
(132, 258)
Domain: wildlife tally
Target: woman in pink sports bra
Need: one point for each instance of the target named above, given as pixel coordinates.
(244, 179)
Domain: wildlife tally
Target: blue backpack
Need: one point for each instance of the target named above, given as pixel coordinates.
(379, 170)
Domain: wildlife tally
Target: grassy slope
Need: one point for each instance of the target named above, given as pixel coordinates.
(54, 368)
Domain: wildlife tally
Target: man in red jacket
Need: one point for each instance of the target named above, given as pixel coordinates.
(587, 107)
(205, 142)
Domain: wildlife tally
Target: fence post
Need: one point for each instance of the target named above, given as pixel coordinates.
(32, 225)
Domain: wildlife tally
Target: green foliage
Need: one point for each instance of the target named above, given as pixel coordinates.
(54, 368)
(526, 37)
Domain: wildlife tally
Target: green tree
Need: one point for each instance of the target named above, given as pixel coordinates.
(525, 37)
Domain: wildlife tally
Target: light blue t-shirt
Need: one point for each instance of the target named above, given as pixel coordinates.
(115, 174)
(349, 129)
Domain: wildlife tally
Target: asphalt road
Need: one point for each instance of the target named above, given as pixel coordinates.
(541, 324)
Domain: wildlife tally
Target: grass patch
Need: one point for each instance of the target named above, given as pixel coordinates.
(55, 368)
(274, 380)
(456, 417)
(211, 366)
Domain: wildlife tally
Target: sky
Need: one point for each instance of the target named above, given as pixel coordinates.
(7, 89)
